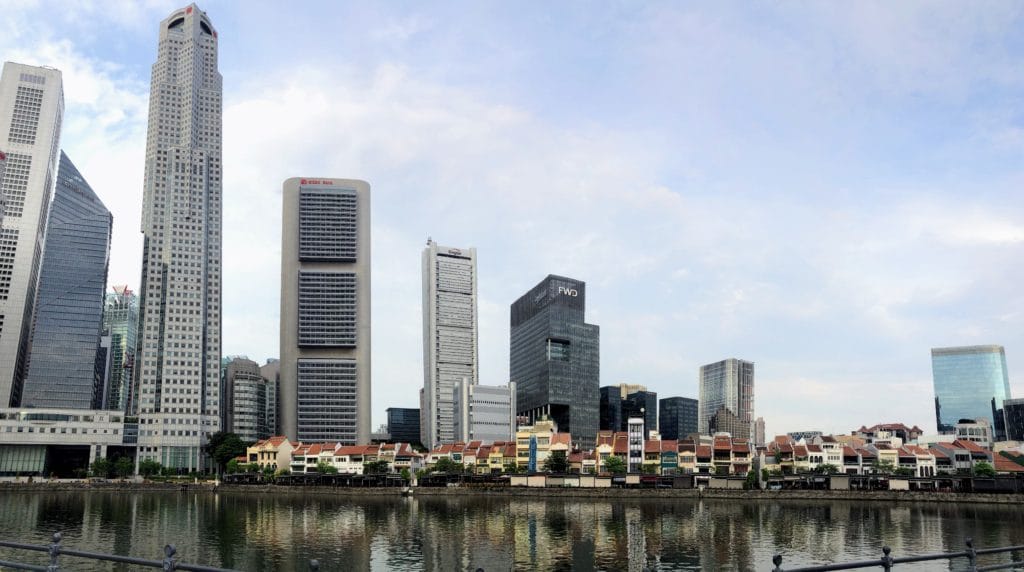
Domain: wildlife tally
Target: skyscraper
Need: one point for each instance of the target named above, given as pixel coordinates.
(65, 370)
(404, 424)
(677, 417)
(484, 412)
(970, 383)
(554, 358)
(642, 404)
(1013, 415)
(727, 384)
(31, 110)
(325, 310)
(3, 168)
(449, 336)
(121, 323)
(250, 400)
(178, 358)
(610, 409)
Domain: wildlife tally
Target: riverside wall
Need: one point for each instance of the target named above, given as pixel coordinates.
(528, 492)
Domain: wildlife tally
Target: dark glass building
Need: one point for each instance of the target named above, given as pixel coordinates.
(1013, 414)
(611, 409)
(121, 323)
(677, 417)
(642, 404)
(555, 358)
(970, 383)
(64, 368)
(404, 425)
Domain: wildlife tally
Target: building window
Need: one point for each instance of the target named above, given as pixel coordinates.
(558, 350)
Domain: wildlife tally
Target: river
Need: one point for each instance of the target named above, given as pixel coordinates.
(282, 532)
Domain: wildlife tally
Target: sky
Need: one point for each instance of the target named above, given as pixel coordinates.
(826, 189)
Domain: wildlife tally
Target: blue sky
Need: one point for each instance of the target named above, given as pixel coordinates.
(827, 190)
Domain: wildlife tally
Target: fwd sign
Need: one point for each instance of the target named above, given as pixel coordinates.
(568, 291)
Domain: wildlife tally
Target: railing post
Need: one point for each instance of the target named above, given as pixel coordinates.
(54, 552)
(777, 561)
(886, 558)
(314, 565)
(170, 564)
(972, 556)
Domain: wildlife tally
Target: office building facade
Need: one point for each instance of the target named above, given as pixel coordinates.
(251, 400)
(971, 382)
(555, 358)
(450, 346)
(31, 111)
(759, 432)
(677, 417)
(178, 357)
(643, 405)
(1013, 419)
(610, 408)
(727, 384)
(484, 412)
(121, 324)
(66, 369)
(325, 311)
(404, 425)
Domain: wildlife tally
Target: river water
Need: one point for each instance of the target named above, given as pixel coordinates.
(282, 532)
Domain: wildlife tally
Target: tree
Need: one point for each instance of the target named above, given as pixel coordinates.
(983, 469)
(648, 469)
(751, 479)
(904, 472)
(882, 467)
(406, 475)
(615, 465)
(446, 465)
(826, 469)
(149, 467)
(325, 468)
(556, 463)
(101, 467)
(232, 467)
(124, 467)
(223, 447)
(375, 468)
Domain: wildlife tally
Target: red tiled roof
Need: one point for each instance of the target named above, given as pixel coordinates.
(814, 448)
(938, 453)
(669, 445)
(621, 444)
(1005, 465)
(848, 451)
(703, 450)
(969, 445)
(652, 446)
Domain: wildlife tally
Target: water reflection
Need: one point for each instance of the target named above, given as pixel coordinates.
(283, 531)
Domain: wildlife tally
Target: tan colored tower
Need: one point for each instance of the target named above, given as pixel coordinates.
(178, 358)
(325, 310)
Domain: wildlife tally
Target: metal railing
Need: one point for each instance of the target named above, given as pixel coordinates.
(55, 550)
(888, 562)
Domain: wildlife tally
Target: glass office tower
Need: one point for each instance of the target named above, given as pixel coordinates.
(970, 383)
(64, 369)
(121, 323)
(677, 417)
(1013, 414)
(555, 358)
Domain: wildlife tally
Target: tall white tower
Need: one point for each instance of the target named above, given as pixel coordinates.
(178, 360)
(31, 110)
(449, 336)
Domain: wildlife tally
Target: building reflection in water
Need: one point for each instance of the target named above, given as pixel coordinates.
(283, 530)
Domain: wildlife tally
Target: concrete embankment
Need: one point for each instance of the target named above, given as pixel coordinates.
(528, 492)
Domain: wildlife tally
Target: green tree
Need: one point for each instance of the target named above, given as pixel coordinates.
(406, 474)
(722, 470)
(751, 479)
(223, 447)
(983, 469)
(904, 472)
(149, 467)
(882, 467)
(375, 468)
(233, 466)
(826, 469)
(446, 465)
(615, 465)
(325, 468)
(101, 467)
(648, 469)
(556, 463)
(124, 467)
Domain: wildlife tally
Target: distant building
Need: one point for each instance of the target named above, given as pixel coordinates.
(888, 431)
(635, 434)
(759, 434)
(483, 412)
(725, 421)
(121, 323)
(1013, 415)
(271, 373)
(449, 336)
(977, 431)
(970, 383)
(404, 424)
(642, 404)
(677, 417)
(554, 358)
(727, 384)
(325, 310)
(251, 401)
(65, 367)
(610, 409)
(804, 435)
(3, 167)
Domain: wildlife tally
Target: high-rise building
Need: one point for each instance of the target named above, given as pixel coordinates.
(729, 384)
(65, 370)
(610, 409)
(644, 405)
(484, 412)
(251, 400)
(1013, 415)
(121, 323)
(970, 383)
(404, 424)
(325, 311)
(271, 372)
(3, 168)
(759, 434)
(178, 358)
(449, 336)
(677, 417)
(31, 110)
(555, 358)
